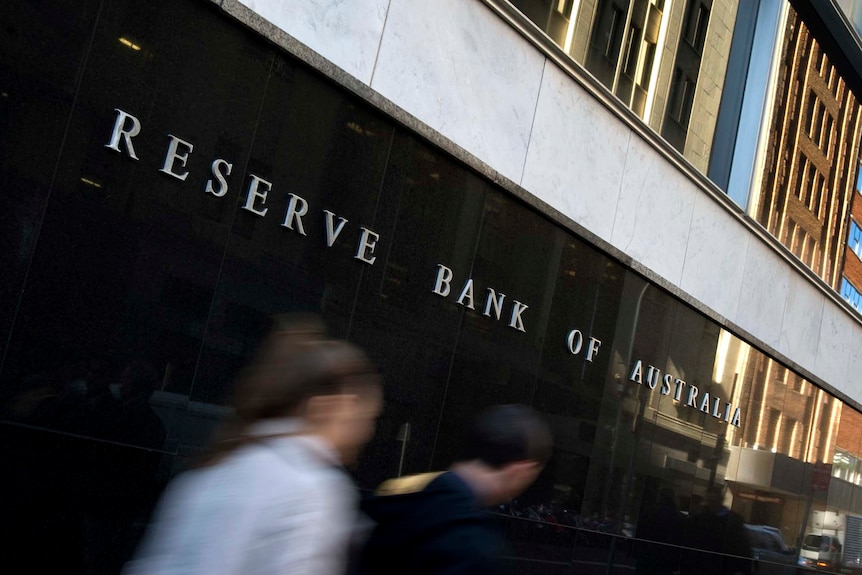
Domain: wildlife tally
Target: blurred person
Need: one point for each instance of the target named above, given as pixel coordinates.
(719, 531)
(664, 524)
(271, 496)
(435, 523)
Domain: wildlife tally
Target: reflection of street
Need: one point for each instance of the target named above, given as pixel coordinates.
(564, 538)
(84, 492)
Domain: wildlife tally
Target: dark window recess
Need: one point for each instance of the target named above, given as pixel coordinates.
(564, 7)
(696, 25)
(681, 98)
(649, 59)
(613, 35)
(632, 50)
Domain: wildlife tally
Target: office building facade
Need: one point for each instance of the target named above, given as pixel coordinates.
(502, 202)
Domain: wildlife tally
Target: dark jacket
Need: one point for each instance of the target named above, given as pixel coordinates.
(428, 524)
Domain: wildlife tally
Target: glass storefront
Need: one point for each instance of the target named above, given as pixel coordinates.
(169, 187)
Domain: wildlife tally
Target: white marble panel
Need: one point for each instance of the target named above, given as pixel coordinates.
(800, 327)
(765, 285)
(833, 348)
(577, 154)
(345, 33)
(654, 211)
(853, 378)
(715, 257)
(463, 71)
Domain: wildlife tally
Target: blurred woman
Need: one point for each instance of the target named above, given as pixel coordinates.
(270, 497)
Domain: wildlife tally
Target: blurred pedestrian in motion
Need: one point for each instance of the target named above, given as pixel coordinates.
(434, 523)
(664, 524)
(720, 533)
(270, 496)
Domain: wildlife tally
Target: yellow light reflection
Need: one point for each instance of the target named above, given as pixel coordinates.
(129, 44)
(570, 30)
(90, 182)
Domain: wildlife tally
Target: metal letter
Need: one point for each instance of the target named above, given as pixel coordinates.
(704, 402)
(679, 385)
(444, 276)
(295, 214)
(637, 373)
(366, 246)
(222, 178)
(593, 348)
(254, 194)
(736, 417)
(517, 309)
(715, 412)
(467, 293)
(653, 376)
(496, 302)
(167, 166)
(332, 234)
(126, 135)
(665, 384)
(574, 337)
(692, 394)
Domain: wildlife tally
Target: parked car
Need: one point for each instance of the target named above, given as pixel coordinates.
(768, 548)
(820, 552)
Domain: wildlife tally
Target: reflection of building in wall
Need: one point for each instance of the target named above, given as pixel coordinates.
(812, 155)
(851, 269)
(664, 60)
(781, 405)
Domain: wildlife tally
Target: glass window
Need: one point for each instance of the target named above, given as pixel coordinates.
(649, 55)
(854, 239)
(851, 294)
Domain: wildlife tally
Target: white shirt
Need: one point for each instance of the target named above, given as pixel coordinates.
(279, 506)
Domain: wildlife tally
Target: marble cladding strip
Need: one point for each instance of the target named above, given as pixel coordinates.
(654, 211)
(460, 69)
(576, 155)
(800, 327)
(346, 33)
(760, 310)
(853, 379)
(834, 345)
(715, 257)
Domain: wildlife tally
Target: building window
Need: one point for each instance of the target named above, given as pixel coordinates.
(696, 24)
(851, 294)
(564, 7)
(649, 58)
(681, 98)
(854, 239)
(613, 39)
(630, 63)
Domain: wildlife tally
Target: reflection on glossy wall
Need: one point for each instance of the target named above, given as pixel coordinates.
(135, 294)
(812, 157)
(664, 59)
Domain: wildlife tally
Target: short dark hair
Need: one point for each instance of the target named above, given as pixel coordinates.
(508, 433)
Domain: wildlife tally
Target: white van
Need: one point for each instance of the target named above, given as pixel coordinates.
(820, 552)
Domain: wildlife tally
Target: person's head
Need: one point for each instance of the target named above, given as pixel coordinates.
(330, 387)
(667, 497)
(138, 382)
(714, 499)
(511, 445)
